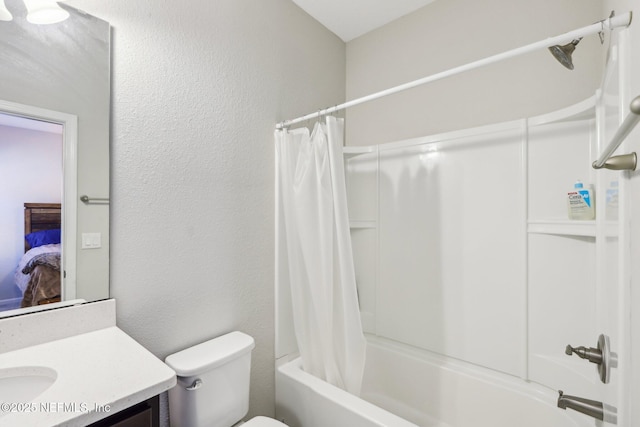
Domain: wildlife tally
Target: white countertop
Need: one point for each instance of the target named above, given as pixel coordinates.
(101, 370)
(104, 369)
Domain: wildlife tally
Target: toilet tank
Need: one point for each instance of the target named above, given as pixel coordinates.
(213, 382)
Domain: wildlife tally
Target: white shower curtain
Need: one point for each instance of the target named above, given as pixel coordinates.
(313, 235)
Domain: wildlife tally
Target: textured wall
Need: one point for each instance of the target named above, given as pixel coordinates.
(446, 34)
(197, 89)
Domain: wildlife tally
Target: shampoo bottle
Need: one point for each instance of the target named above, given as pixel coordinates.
(581, 203)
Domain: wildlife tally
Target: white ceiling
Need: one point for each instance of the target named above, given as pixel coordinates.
(349, 19)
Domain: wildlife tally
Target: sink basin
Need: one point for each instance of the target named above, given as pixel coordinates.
(24, 383)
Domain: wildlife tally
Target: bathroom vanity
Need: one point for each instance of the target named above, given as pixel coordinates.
(73, 366)
(144, 414)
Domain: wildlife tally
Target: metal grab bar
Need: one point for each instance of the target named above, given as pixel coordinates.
(625, 161)
(99, 200)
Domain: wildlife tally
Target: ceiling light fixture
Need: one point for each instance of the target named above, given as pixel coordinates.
(44, 12)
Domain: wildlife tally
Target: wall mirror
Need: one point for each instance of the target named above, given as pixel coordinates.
(54, 157)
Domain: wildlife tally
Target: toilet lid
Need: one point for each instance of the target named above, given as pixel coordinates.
(263, 422)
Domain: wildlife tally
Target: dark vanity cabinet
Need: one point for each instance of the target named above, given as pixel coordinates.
(144, 414)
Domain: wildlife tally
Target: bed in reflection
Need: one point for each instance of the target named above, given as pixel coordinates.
(38, 273)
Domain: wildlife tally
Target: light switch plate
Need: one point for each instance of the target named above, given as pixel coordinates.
(91, 240)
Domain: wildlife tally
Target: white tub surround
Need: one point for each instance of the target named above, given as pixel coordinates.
(99, 369)
(435, 277)
(408, 388)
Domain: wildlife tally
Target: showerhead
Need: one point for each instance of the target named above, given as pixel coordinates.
(563, 53)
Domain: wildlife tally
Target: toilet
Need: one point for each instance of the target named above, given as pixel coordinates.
(213, 384)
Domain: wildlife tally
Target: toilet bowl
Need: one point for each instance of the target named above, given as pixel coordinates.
(262, 422)
(213, 384)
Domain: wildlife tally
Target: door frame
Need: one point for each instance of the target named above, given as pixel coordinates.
(69, 123)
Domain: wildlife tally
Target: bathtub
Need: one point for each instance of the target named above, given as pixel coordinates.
(409, 388)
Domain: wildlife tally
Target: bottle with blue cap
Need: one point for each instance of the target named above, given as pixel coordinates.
(611, 211)
(581, 202)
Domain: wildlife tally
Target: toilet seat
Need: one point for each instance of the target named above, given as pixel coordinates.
(263, 422)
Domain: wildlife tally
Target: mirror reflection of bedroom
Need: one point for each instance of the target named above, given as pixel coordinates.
(31, 160)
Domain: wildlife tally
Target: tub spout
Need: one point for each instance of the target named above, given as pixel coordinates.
(586, 406)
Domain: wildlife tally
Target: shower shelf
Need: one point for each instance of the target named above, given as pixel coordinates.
(571, 228)
(362, 224)
(353, 151)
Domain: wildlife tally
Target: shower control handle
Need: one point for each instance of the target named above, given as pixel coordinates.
(600, 356)
(593, 355)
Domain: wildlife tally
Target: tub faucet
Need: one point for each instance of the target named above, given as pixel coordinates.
(586, 406)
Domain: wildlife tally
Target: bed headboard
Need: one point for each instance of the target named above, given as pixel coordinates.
(41, 216)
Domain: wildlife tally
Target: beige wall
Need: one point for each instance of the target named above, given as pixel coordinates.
(197, 89)
(449, 33)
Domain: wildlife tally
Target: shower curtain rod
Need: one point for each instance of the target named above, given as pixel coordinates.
(609, 24)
